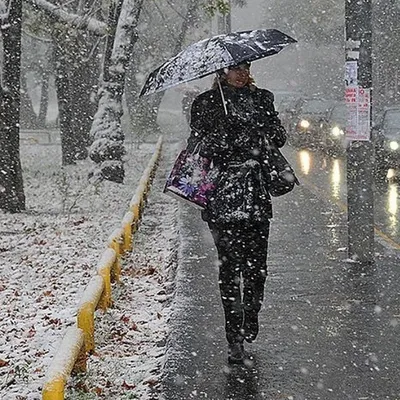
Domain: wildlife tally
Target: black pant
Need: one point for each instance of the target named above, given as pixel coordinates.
(242, 252)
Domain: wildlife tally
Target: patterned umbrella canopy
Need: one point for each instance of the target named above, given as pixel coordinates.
(210, 55)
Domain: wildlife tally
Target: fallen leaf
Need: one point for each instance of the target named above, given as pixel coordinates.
(55, 321)
(31, 332)
(97, 390)
(79, 221)
(128, 386)
(133, 327)
(150, 271)
(3, 363)
(82, 387)
(151, 382)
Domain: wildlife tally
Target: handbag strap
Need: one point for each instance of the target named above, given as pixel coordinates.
(272, 150)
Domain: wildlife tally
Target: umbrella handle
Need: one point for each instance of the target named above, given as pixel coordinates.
(222, 95)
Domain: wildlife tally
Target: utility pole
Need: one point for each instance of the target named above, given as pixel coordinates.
(360, 152)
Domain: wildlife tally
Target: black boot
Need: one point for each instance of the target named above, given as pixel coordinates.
(236, 354)
(250, 326)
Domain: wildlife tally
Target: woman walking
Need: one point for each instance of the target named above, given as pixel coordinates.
(236, 136)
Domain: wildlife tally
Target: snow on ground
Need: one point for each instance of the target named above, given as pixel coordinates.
(48, 255)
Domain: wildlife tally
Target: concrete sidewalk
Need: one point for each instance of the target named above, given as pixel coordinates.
(329, 329)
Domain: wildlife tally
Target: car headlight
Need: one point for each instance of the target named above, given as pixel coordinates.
(336, 131)
(394, 145)
(304, 123)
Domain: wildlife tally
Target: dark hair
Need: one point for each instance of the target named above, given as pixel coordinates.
(242, 65)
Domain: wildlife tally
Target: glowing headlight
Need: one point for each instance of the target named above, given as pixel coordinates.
(304, 123)
(393, 145)
(336, 131)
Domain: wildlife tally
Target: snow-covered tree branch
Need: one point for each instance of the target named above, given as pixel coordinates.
(75, 20)
(3, 15)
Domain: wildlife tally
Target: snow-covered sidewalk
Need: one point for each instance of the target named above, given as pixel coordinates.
(48, 255)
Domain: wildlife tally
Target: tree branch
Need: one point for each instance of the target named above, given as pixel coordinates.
(173, 8)
(40, 39)
(75, 20)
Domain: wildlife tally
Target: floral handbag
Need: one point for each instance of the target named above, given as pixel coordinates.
(190, 179)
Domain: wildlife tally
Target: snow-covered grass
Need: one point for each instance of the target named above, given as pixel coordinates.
(48, 255)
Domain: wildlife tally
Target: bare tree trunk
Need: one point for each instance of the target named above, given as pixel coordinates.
(142, 115)
(75, 80)
(44, 97)
(68, 145)
(114, 12)
(27, 113)
(82, 109)
(189, 21)
(146, 110)
(81, 71)
(84, 71)
(12, 197)
(108, 149)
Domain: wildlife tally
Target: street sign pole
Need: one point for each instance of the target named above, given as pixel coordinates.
(360, 152)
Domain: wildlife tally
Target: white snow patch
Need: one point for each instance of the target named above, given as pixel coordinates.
(49, 254)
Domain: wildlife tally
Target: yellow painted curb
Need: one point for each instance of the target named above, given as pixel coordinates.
(70, 357)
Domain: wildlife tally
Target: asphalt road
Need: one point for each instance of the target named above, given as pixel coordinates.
(327, 177)
(329, 328)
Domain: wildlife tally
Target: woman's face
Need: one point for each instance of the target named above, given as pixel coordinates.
(238, 76)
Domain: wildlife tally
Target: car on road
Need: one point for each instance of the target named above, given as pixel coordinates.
(288, 109)
(386, 137)
(334, 140)
(309, 124)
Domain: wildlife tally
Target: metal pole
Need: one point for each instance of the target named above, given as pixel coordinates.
(360, 152)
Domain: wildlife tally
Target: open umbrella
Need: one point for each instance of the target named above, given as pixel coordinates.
(210, 55)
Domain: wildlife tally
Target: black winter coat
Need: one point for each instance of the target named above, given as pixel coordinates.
(239, 137)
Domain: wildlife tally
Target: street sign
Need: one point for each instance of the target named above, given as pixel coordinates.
(357, 98)
(364, 114)
(358, 102)
(351, 105)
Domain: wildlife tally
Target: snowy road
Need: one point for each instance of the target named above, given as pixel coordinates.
(329, 330)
